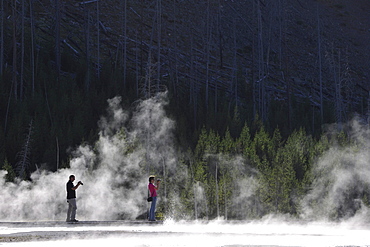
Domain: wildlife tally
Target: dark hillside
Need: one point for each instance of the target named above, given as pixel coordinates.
(293, 63)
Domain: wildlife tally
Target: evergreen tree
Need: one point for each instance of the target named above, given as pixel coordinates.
(10, 176)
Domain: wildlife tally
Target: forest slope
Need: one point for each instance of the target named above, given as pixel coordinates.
(294, 63)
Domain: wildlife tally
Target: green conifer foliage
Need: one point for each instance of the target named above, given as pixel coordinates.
(10, 176)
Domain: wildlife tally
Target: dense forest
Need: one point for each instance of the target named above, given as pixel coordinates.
(249, 82)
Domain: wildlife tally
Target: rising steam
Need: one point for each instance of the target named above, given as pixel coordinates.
(133, 145)
(114, 170)
(341, 178)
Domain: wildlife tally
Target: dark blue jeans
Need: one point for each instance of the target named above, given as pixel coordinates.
(152, 209)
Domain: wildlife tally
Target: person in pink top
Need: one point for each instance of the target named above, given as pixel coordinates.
(153, 193)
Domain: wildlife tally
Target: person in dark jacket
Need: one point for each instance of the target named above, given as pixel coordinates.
(71, 199)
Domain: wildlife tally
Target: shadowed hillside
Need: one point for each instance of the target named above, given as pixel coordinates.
(292, 63)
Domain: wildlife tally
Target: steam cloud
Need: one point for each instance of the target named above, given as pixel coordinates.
(341, 179)
(114, 171)
(131, 146)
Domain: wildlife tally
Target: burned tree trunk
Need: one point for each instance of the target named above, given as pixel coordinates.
(1, 36)
(14, 71)
(57, 38)
(32, 20)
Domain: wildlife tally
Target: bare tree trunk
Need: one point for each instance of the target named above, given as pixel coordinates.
(225, 199)
(253, 77)
(285, 59)
(280, 16)
(1, 36)
(124, 27)
(234, 78)
(7, 109)
(174, 37)
(338, 88)
(57, 38)
(220, 48)
(22, 51)
(57, 143)
(208, 39)
(14, 74)
(98, 39)
(320, 67)
(220, 45)
(147, 90)
(217, 193)
(195, 200)
(159, 36)
(368, 110)
(148, 72)
(194, 90)
(32, 46)
(87, 47)
(261, 73)
(137, 72)
(141, 42)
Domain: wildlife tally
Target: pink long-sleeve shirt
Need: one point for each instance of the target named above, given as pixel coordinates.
(153, 191)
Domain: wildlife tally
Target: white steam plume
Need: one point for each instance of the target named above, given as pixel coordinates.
(114, 171)
(341, 178)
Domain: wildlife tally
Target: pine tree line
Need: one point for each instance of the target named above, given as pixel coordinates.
(256, 174)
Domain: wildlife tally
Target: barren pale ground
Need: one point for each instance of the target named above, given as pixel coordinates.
(170, 233)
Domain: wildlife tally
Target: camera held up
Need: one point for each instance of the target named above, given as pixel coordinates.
(80, 182)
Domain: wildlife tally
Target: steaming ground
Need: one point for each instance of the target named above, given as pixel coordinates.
(190, 233)
(115, 170)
